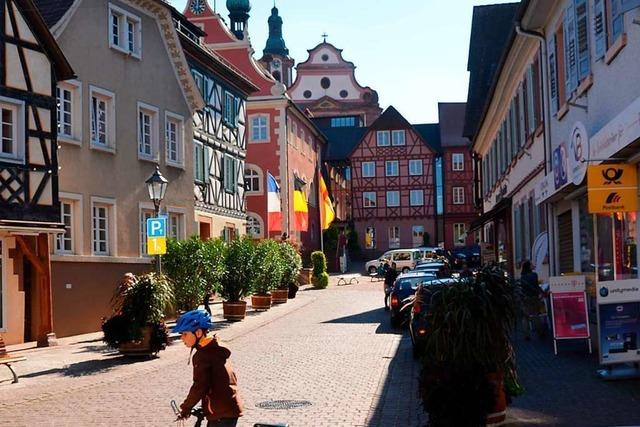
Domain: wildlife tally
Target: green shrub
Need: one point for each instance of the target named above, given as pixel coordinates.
(239, 273)
(268, 267)
(292, 264)
(322, 281)
(185, 264)
(319, 263)
(214, 264)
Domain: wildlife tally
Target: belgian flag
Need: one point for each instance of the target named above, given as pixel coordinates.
(300, 208)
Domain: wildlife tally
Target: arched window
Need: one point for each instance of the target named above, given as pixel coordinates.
(254, 226)
(252, 180)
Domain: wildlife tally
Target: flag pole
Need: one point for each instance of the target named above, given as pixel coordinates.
(268, 234)
(318, 174)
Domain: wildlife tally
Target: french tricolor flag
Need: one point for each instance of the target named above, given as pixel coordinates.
(273, 204)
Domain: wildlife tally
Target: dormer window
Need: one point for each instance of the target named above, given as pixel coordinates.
(125, 31)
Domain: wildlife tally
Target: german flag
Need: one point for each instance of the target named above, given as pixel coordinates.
(327, 214)
(300, 208)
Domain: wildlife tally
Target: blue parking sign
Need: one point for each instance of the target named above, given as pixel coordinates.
(157, 227)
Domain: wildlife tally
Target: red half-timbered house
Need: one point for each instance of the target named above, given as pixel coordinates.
(393, 192)
(457, 169)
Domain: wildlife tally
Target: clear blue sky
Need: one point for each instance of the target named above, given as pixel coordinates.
(413, 52)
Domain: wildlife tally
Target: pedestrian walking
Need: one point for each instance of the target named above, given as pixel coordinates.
(207, 298)
(532, 300)
(390, 277)
(214, 381)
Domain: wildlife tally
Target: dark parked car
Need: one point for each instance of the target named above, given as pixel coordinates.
(439, 268)
(418, 323)
(403, 288)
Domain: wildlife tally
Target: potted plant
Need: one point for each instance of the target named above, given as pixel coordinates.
(468, 360)
(214, 265)
(267, 273)
(291, 265)
(137, 327)
(320, 276)
(185, 264)
(236, 280)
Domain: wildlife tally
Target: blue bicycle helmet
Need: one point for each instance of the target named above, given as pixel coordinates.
(193, 320)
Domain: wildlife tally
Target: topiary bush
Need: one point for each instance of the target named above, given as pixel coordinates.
(319, 263)
(268, 267)
(322, 281)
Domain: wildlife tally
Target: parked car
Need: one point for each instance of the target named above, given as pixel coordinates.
(405, 260)
(439, 268)
(418, 318)
(404, 287)
(427, 252)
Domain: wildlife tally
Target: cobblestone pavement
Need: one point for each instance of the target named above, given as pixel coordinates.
(333, 348)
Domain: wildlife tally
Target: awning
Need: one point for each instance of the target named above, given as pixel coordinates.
(31, 227)
(486, 217)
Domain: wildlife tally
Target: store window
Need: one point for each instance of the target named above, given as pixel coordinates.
(617, 247)
(370, 238)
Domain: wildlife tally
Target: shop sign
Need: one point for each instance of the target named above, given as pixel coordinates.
(619, 320)
(577, 150)
(487, 252)
(559, 284)
(560, 166)
(617, 134)
(543, 189)
(569, 313)
(612, 188)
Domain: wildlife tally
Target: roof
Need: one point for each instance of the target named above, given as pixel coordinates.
(53, 10)
(451, 118)
(341, 142)
(430, 132)
(491, 29)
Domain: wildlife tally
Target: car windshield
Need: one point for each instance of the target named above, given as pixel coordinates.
(407, 283)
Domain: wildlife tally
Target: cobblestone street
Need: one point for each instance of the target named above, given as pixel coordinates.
(333, 348)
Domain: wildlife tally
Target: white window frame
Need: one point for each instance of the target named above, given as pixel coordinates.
(412, 170)
(366, 166)
(75, 88)
(383, 138)
(416, 193)
(18, 140)
(234, 120)
(259, 222)
(112, 229)
(232, 187)
(457, 161)
(180, 214)
(391, 193)
(62, 239)
(395, 170)
(154, 127)
(125, 38)
(394, 237)
(110, 126)
(178, 120)
(77, 230)
(402, 141)
(258, 174)
(260, 128)
(144, 209)
(458, 195)
(368, 202)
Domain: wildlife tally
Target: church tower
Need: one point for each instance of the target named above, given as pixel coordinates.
(276, 57)
(239, 16)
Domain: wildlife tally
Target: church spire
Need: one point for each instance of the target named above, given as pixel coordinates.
(239, 15)
(275, 42)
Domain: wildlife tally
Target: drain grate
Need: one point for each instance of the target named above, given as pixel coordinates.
(283, 404)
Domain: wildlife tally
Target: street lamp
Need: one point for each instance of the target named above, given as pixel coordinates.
(157, 186)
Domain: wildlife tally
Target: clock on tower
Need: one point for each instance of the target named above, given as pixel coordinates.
(197, 6)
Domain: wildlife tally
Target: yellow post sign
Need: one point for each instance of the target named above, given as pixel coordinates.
(612, 188)
(156, 245)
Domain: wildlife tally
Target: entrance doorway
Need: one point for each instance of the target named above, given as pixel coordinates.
(205, 231)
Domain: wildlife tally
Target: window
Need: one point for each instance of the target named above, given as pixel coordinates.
(229, 180)
(254, 226)
(145, 214)
(69, 111)
(64, 241)
(147, 131)
(417, 235)
(394, 237)
(457, 161)
(369, 199)
(175, 225)
(398, 137)
(251, 180)
(100, 229)
(342, 122)
(231, 104)
(458, 195)
(392, 168)
(199, 162)
(102, 116)
(368, 169)
(370, 238)
(125, 31)
(382, 138)
(259, 128)
(393, 198)
(416, 197)
(415, 167)
(173, 139)
(8, 131)
(459, 233)
(64, 111)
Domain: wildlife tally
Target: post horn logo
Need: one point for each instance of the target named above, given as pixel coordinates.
(612, 176)
(613, 198)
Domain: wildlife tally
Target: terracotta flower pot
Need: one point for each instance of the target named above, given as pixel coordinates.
(261, 302)
(234, 311)
(279, 296)
(304, 277)
(138, 348)
(499, 412)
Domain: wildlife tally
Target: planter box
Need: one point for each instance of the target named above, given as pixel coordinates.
(234, 311)
(304, 278)
(279, 296)
(261, 302)
(138, 348)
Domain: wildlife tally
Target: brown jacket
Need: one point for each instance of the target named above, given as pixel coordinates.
(214, 382)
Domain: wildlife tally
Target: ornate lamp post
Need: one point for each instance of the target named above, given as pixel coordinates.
(157, 186)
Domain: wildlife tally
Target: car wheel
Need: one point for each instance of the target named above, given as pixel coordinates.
(406, 269)
(395, 322)
(372, 270)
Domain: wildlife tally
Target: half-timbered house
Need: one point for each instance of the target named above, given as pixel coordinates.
(392, 179)
(32, 63)
(128, 110)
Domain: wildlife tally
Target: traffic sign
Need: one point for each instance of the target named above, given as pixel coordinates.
(157, 227)
(156, 245)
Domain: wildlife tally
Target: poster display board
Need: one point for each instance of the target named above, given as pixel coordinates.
(569, 309)
(619, 321)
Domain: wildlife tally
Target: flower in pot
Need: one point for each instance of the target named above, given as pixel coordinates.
(468, 357)
(291, 266)
(267, 273)
(320, 276)
(236, 280)
(137, 326)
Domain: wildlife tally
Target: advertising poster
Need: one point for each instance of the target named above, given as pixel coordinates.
(619, 321)
(570, 320)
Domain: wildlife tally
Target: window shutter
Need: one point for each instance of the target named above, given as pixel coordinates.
(521, 116)
(570, 50)
(531, 108)
(508, 138)
(599, 28)
(582, 36)
(236, 110)
(537, 93)
(525, 233)
(206, 163)
(517, 234)
(553, 75)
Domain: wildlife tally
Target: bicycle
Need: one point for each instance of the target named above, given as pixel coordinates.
(200, 417)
